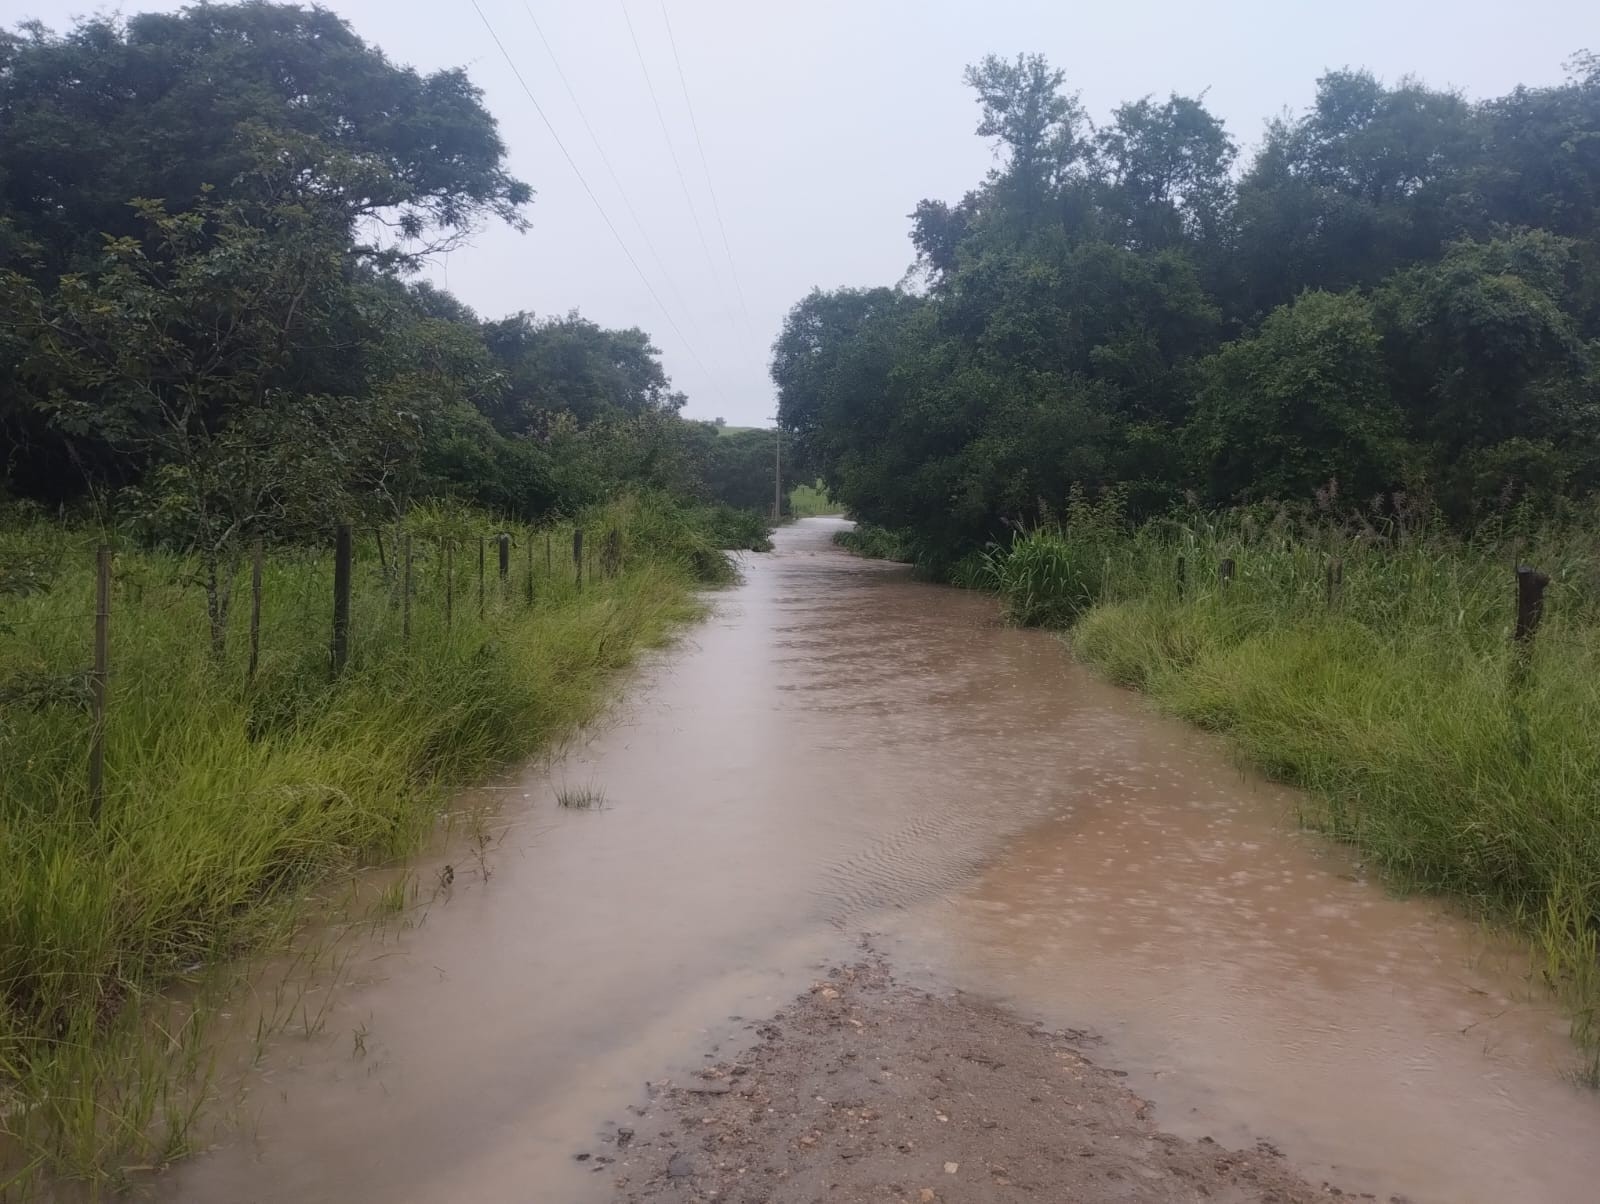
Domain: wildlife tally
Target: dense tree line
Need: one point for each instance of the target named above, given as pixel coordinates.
(1400, 292)
(209, 318)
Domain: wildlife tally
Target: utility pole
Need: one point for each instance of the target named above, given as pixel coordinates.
(777, 471)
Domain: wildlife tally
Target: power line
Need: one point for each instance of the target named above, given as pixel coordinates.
(705, 167)
(601, 209)
(655, 255)
(666, 137)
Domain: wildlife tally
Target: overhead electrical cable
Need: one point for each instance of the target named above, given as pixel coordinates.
(601, 209)
(684, 307)
(705, 166)
(666, 137)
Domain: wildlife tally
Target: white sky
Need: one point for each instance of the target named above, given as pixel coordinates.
(825, 122)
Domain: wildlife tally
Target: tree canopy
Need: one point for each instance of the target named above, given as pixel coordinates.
(1400, 291)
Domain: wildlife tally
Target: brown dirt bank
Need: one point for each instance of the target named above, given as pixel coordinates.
(866, 1090)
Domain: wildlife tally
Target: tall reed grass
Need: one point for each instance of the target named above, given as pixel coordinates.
(1455, 762)
(228, 799)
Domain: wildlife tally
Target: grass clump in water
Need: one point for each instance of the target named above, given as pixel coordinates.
(581, 798)
(228, 799)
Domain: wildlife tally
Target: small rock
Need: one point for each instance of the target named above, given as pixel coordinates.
(679, 1166)
(926, 1195)
(580, 1157)
(624, 1136)
(951, 1168)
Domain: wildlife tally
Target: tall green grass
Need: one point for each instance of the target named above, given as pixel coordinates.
(228, 799)
(1456, 763)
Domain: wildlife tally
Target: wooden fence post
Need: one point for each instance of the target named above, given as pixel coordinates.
(480, 576)
(449, 582)
(1183, 569)
(577, 555)
(97, 681)
(257, 555)
(505, 561)
(405, 594)
(1225, 571)
(530, 568)
(1334, 581)
(342, 556)
(1531, 585)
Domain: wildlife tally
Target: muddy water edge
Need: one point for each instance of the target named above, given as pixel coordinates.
(840, 751)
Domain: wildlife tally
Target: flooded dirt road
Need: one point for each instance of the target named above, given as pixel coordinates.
(840, 750)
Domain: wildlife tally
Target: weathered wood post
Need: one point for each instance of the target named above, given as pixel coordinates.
(1333, 582)
(342, 556)
(530, 566)
(405, 594)
(577, 555)
(480, 576)
(257, 556)
(449, 582)
(1531, 584)
(1183, 569)
(98, 680)
(1225, 572)
(504, 542)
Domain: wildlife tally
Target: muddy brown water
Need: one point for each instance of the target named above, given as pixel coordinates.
(839, 750)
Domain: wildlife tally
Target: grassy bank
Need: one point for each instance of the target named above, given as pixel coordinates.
(1457, 764)
(226, 798)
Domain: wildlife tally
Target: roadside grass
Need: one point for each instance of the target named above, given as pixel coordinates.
(229, 801)
(1456, 763)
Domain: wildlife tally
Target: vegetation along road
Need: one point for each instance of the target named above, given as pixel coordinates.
(435, 766)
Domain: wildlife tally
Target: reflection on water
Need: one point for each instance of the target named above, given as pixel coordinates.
(838, 750)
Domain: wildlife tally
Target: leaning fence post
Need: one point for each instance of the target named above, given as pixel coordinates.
(342, 555)
(1333, 581)
(577, 555)
(1225, 571)
(1531, 585)
(256, 557)
(97, 681)
(405, 594)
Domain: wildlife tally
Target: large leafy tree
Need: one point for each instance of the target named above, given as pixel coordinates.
(170, 366)
(570, 364)
(1298, 404)
(161, 105)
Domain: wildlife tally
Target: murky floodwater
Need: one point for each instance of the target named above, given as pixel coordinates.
(841, 750)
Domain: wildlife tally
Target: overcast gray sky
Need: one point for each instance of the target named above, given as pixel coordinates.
(824, 122)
